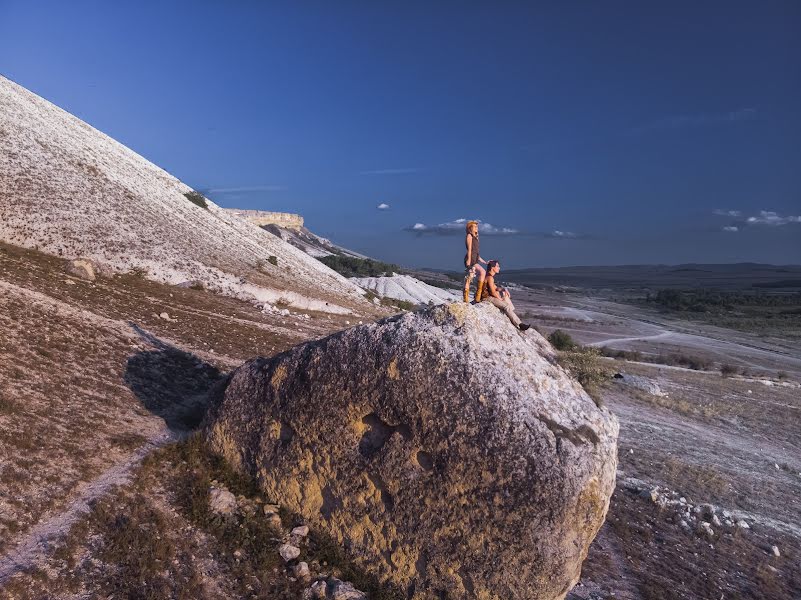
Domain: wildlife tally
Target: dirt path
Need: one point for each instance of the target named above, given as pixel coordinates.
(32, 547)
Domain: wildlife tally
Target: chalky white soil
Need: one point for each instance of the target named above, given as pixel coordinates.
(405, 287)
(69, 190)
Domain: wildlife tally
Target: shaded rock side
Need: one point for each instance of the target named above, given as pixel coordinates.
(443, 449)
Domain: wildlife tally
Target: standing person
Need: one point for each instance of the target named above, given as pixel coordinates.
(500, 297)
(471, 262)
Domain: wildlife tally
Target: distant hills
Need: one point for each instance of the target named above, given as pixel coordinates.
(735, 276)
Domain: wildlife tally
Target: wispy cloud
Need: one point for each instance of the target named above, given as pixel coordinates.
(383, 206)
(565, 235)
(765, 218)
(699, 120)
(768, 217)
(458, 227)
(247, 189)
(391, 171)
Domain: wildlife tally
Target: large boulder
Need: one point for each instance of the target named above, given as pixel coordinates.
(444, 449)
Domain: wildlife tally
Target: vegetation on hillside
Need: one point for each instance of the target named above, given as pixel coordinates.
(197, 198)
(350, 266)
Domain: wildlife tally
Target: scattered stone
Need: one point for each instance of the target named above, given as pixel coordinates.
(165, 316)
(685, 524)
(775, 550)
(270, 509)
(639, 382)
(652, 494)
(412, 434)
(69, 282)
(301, 570)
(221, 501)
(237, 554)
(274, 521)
(707, 529)
(726, 514)
(289, 552)
(743, 525)
(83, 268)
(316, 591)
(300, 531)
(716, 521)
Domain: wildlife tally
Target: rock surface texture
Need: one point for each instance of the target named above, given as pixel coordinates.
(446, 451)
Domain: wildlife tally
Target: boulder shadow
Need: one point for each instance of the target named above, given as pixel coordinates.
(172, 383)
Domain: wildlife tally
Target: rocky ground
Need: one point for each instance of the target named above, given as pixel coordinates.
(707, 502)
(102, 494)
(95, 375)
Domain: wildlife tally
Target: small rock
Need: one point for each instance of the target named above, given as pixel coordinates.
(716, 521)
(750, 392)
(301, 570)
(221, 501)
(289, 552)
(775, 550)
(270, 509)
(343, 590)
(726, 514)
(69, 282)
(82, 268)
(707, 529)
(683, 500)
(274, 521)
(237, 554)
(165, 316)
(743, 525)
(315, 592)
(300, 531)
(685, 524)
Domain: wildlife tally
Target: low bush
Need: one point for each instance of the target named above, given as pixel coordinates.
(350, 266)
(561, 340)
(727, 370)
(585, 365)
(401, 304)
(197, 199)
(273, 260)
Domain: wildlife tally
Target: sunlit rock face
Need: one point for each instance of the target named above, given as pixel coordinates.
(445, 450)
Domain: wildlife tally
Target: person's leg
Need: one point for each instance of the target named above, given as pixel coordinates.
(506, 309)
(480, 285)
(468, 277)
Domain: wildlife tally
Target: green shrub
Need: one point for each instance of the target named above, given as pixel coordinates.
(350, 266)
(401, 304)
(370, 295)
(197, 198)
(728, 370)
(561, 340)
(584, 363)
(273, 260)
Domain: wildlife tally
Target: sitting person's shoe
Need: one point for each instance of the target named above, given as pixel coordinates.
(523, 326)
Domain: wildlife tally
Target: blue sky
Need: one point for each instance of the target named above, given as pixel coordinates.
(597, 132)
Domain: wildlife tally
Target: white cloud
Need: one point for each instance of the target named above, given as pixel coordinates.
(731, 228)
(458, 226)
(252, 188)
(728, 213)
(383, 206)
(768, 217)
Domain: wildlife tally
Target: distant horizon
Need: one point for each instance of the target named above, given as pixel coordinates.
(576, 134)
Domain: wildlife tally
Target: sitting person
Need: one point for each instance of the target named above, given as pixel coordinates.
(499, 296)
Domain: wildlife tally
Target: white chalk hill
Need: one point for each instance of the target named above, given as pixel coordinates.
(69, 190)
(406, 287)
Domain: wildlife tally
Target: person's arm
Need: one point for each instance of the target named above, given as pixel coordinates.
(468, 242)
(481, 260)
